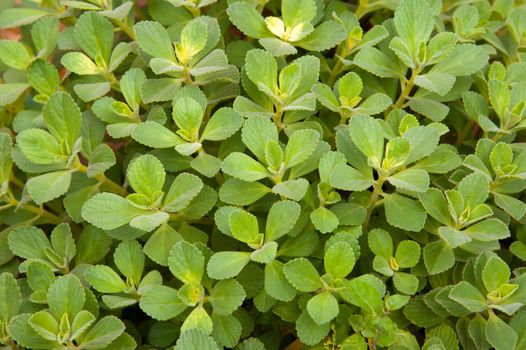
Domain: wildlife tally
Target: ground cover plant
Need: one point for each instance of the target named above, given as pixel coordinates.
(254, 174)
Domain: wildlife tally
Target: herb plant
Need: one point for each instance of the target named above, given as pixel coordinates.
(263, 175)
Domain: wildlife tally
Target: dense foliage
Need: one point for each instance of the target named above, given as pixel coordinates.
(254, 174)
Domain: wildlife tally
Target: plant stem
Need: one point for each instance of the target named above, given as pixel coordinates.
(406, 91)
(125, 27)
(335, 71)
(195, 11)
(277, 117)
(113, 186)
(377, 190)
(41, 212)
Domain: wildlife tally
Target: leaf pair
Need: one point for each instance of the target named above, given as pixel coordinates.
(188, 110)
(149, 206)
(407, 255)
(296, 27)
(187, 263)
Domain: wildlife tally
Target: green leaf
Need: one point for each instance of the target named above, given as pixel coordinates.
(94, 33)
(45, 33)
(198, 319)
(302, 275)
(347, 178)
(193, 38)
(109, 211)
(243, 167)
(248, 20)
(66, 296)
(153, 39)
(434, 110)
(439, 83)
(276, 284)
(160, 242)
(102, 158)
(361, 293)
(9, 93)
(262, 68)
(325, 36)
(244, 226)
(416, 180)
(281, 219)
(435, 205)
(226, 296)
(223, 124)
(375, 104)
(63, 242)
(195, 339)
(186, 263)
(45, 325)
(129, 259)
(324, 220)
(300, 146)
(407, 254)
(184, 188)
(256, 133)
(405, 282)
(339, 260)
(223, 265)
(104, 279)
(153, 134)
(404, 213)
(438, 257)
(469, 296)
(49, 186)
(265, 254)
(226, 330)
(26, 336)
(79, 63)
(62, 117)
(130, 85)
(513, 206)
(414, 22)
(188, 115)
(367, 134)
(40, 147)
(499, 334)
(155, 90)
(323, 308)
(488, 230)
(16, 17)
(465, 59)
(380, 243)
(10, 297)
(292, 189)
(310, 332)
(15, 54)
(239, 192)
(105, 331)
(326, 96)
(495, 273)
(376, 62)
(28, 242)
(146, 175)
(161, 303)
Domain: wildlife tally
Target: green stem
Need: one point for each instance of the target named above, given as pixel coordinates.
(126, 28)
(39, 211)
(406, 91)
(195, 11)
(277, 117)
(114, 187)
(377, 190)
(362, 9)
